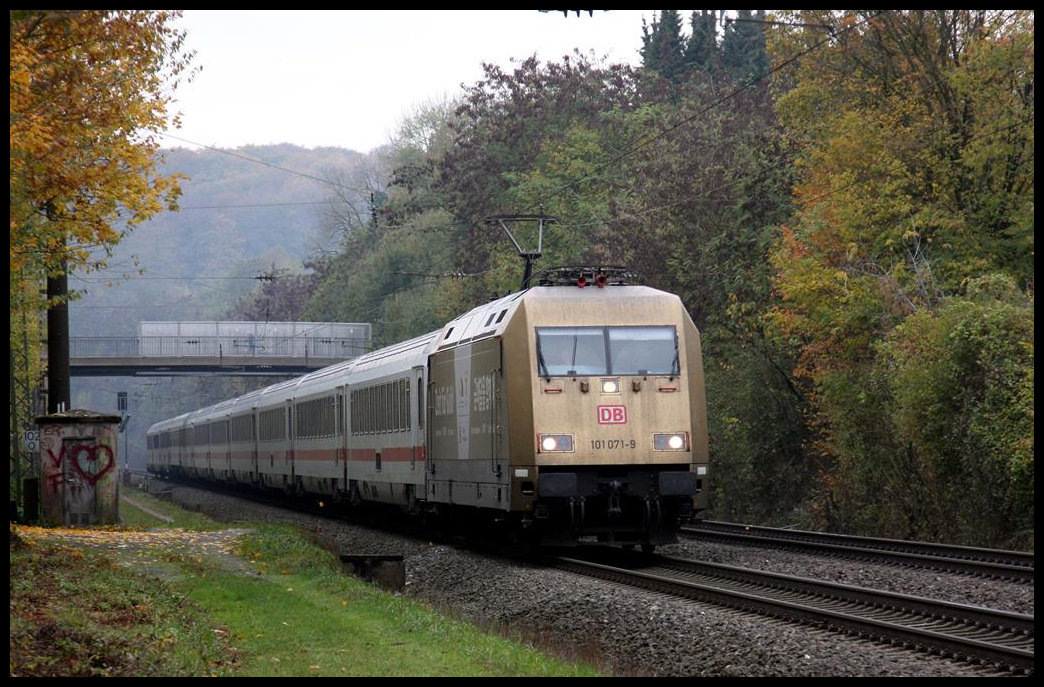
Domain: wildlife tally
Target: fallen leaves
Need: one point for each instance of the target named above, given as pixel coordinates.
(199, 543)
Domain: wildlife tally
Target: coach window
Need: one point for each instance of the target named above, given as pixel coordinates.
(382, 408)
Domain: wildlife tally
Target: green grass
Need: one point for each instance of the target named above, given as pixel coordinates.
(76, 613)
(320, 622)
(284, 610)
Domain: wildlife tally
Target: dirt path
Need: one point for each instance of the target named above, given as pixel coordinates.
(141, 506)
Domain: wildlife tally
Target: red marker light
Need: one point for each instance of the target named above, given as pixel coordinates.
(581, 282)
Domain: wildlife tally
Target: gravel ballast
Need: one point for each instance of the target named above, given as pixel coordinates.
(632, 632)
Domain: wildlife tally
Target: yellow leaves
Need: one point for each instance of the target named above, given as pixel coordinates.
(192, 544)
(81, 84)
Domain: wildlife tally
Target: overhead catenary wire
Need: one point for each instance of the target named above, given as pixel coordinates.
(225, 151)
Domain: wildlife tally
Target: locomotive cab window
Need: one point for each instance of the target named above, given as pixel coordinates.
(643, 350)
(581, 351)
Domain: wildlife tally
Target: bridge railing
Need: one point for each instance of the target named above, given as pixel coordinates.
(216, 347)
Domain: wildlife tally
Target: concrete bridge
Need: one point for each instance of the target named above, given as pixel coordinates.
(170, 349)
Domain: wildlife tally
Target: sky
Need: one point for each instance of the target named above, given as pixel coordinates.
(347, 78)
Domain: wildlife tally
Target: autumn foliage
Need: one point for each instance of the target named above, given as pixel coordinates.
(915, 191)
(88, 90)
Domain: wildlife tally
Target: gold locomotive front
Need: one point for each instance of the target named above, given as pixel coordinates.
(584, 414)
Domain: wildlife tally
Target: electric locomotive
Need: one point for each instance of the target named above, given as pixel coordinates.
(568, 412)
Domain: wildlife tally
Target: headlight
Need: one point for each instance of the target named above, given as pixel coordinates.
(675, 441)
(555, 443)
(610, 385)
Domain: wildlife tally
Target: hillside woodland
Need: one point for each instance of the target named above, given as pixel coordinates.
(843, 200)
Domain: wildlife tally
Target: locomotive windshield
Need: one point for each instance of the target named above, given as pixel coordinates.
(572, 351)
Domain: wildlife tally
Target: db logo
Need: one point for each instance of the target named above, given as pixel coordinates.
(612, 415)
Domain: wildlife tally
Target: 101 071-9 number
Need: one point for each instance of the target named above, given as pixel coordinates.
(598, 444)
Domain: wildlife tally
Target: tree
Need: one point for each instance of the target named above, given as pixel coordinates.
(663, 48)
(697, 211)
(916, 136)
(743, 53)
(961, 380)
(515, 133)
(701, 52)
(87, 89)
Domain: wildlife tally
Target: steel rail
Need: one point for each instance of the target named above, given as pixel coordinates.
(995, 563)
(971, 633)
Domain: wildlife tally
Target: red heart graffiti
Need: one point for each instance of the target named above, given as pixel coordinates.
(91, 454)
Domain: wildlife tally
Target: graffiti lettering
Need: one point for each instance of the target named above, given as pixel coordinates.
(92, 462)
(56, 462)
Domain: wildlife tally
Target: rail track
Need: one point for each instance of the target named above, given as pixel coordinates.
(1000, 639)
(1015, 566)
